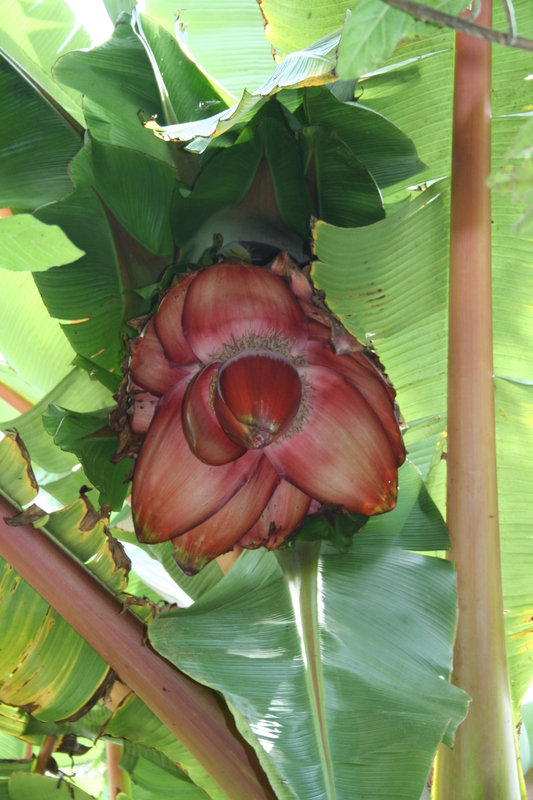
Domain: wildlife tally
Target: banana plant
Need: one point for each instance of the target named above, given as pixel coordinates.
(208, 261)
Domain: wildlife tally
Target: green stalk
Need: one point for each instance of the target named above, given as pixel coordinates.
(190, 711)
(300, 568)
(482, 764)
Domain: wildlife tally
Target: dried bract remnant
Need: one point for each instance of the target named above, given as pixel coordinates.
(249, 413)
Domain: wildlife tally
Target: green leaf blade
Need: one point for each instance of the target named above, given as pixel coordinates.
(26, 244)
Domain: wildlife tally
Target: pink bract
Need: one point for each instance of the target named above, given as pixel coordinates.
(256, 415)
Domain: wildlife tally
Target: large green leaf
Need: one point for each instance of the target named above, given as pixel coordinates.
(24, 786)
(18, 479)
(347, 194)
(137, 189)
(373, 29)
(117, 82)
(35, 351)
(384, 149)
(387, 282)
(185, 90)
(32, 36)
(313, 66)
(208, 29)
(36, 145)
(293, 25)
(26, 244)
(308, 676)
(87, 294)
(514, 428)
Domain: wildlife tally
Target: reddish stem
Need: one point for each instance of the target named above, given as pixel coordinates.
(190, 711)
(482, 763)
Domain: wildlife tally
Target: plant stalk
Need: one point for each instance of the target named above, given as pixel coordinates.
(482, 764)
(45, 754)
(190, 711)
(116, 777)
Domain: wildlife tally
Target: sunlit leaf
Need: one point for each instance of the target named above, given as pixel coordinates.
(17, 480)
(26, 244)
(373, 29)
(32, 36)
(372, 654)
(75, 391)
(360, 271)
(207, 26)
(24, 786)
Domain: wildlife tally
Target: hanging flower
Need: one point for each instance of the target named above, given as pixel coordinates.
(254, 402)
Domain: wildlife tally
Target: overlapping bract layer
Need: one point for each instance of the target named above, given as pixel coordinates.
(250, 414)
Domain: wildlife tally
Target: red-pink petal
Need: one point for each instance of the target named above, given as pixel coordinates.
(342, 454)
(144, 405)
(342, 341)
(173, 491)
(202, 429)
(365, 378)
(285, 510)
(257, 397)
(317, 331)
(220, 533)
(168, 322)
(149, 366)
(365, 361)
(314, 312)
(299, 283)
(235, 301)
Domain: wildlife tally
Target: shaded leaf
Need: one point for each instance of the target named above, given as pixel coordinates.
(384, 149)
(311, 67)
(87, 435)
(347, 194)
(87, 294)
(117, 82)
(36, 145)
(185, 90)
(135, 722)
(152, 770)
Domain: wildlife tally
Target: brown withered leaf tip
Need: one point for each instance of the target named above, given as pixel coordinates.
(13, 434)
(26, 517)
